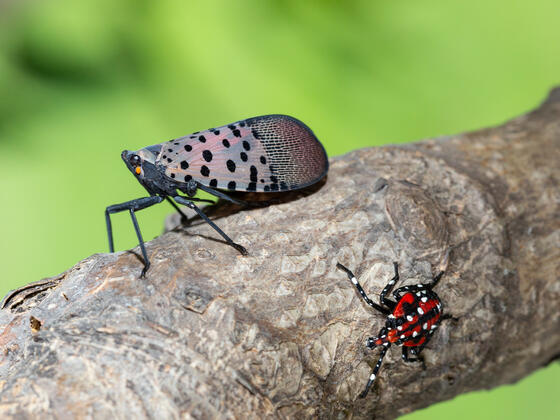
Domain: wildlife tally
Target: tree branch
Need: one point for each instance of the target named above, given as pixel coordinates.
(281, 332)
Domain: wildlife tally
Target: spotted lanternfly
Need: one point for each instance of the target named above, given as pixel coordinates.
(411, 320)
(263, 154)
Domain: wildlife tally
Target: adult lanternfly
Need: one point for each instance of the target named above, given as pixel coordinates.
(262, 154)
(411, 320)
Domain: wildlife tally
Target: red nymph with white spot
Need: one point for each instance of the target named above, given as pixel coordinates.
(411, 319)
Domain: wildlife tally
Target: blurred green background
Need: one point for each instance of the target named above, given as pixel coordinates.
(81, 81)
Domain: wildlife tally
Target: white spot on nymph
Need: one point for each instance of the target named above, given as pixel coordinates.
(420, 285)
(439, 305)
(383, 336)
(402, 337)
(434, 327)
(425, 326)
(399, 328)
(424, 299)
(385, 344)
(391, 316)
(420, 311)
(372, 377)
(354, 280)
(418, 294)
(392, 282)
(409, 318)
(414, 334)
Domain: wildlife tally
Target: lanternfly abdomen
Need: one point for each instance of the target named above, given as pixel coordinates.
(263, 154)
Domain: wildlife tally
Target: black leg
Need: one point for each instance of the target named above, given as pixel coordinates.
(141, 242)
(374, 372)
(353, 279)
(131, 206)
(388, 288)
(417, 359)
(190, 204)
(436, 279)
(222, 195)
(138, 204)
(176, 207)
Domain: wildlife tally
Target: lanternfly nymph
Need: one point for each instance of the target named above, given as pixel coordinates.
(411, 319)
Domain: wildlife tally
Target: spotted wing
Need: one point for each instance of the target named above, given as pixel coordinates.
(268, 153)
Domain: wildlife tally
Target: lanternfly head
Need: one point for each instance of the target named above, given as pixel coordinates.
(136, 161)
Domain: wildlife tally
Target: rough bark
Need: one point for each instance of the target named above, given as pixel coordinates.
(280, 333)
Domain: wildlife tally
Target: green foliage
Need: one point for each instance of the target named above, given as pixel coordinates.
(81, 81)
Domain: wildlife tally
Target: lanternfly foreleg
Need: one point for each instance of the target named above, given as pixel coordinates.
(186, 202)
(389, 287)
(131, 206)
(354, 281)
(374, 372)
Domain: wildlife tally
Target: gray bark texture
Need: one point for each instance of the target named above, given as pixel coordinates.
(280, 333)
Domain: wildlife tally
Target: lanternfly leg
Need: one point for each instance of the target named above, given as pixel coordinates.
(435, 280)
(131, 206)
(448, 316)
(389, 287)
(374, 372)
(176, 207)
(417, 359)
(353, 279)
(370, 342)
(191, 205)
(220, 194)
(141, 242)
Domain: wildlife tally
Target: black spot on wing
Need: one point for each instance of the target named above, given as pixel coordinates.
(254, 174)
(207, 155)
